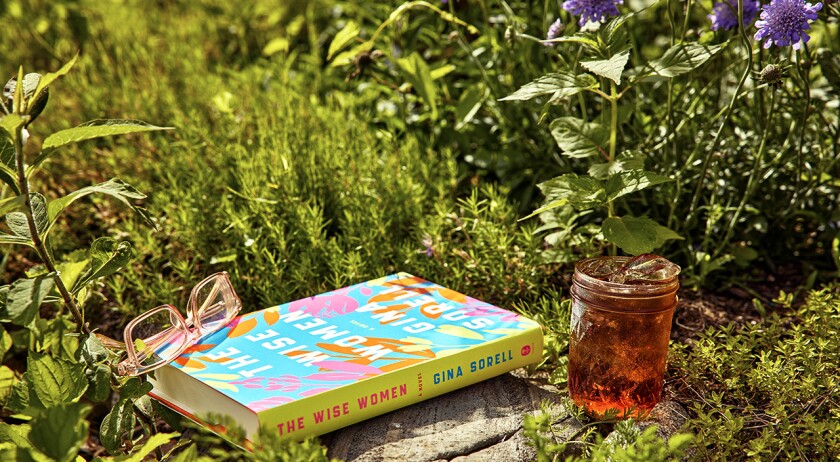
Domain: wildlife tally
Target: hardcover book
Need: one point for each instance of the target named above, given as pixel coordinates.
(321, 363)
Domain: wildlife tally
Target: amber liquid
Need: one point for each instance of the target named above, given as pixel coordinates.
(617, 360)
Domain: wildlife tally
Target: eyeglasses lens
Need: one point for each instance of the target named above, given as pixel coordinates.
(159, 337)
(216, 303)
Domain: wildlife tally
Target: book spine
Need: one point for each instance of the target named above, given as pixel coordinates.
(334, 409)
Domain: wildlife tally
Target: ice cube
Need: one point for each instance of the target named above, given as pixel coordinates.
(645, 267)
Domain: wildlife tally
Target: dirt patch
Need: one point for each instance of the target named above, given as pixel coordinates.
(699, 309)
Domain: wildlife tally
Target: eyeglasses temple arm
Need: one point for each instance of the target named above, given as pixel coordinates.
(108, 342)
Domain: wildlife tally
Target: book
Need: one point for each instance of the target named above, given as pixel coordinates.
(321, 363)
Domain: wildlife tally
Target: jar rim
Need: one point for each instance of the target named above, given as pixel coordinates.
(650, 288)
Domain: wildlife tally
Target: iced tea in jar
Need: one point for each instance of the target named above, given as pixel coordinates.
(621, 322)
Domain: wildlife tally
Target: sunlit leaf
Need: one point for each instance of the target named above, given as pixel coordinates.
(559, 85)
(623, 183)
(468, 105)
(681, 59)
(19, 223)
(578, 138)
(117, 426)
(342, 38)
(106, 257)
(50, 77)
(580, 191)
(633, 235)
(114, 187)
(24, 299)
(610, 68)
(55, 381)
(60, 431)
(416, 71)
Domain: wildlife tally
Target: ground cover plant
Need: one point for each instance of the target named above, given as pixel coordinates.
(482, 145)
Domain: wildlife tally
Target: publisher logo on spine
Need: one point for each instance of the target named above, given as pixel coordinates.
(526, 350)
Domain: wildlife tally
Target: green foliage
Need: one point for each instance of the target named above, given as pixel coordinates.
(626, 442)
(768, 390)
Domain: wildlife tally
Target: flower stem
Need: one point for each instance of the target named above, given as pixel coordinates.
(804, 66)
(40, 245)
(723, 123)
(751, 182)
(613, 119)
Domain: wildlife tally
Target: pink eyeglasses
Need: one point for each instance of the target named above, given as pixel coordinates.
(160, 335)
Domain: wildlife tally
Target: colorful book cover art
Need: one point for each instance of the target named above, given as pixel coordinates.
(300, 349)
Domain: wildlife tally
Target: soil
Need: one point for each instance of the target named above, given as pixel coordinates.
(698, 310)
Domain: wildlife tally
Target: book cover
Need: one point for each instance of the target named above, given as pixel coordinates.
(321, 363)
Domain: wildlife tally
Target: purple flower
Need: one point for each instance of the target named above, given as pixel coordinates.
(554, 31)
(592, 10)
(725, 14)
(784, 22)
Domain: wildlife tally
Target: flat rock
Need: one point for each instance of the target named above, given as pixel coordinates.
(482, 422)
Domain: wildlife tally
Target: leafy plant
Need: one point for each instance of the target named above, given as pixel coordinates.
(766, 390)
(58, 373)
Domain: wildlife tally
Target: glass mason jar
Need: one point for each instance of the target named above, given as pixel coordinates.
(619, 338)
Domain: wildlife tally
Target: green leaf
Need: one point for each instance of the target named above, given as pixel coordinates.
(117, 426)
(631, 181)
(9, 239)
(275, 46)
(442, 71)
(19, 397)
(25, 297)
(417, 73)
(7, 383)
(610, 68)
(135, 388)
(581, 192)
(578, 138)
(19, 224)
(342, 38)
(56, 336)
(663, 234)
(680, 441)
(580, 38)
(560, 85)
(106, 256)
(682, 58)
(613, 36)
(155, 441)
(11, 123)
(50, 77)
(92, 350)
(60, 431)
(91, 130)
(55, 381)
(100, 383)
(624, 162)
(114, 187)
(16, 434)
(347, 57)
(5, 339)
(188, 454)
(633, 235)
(10, 204)
(468, 105)
(546, 207)
(8, 163)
